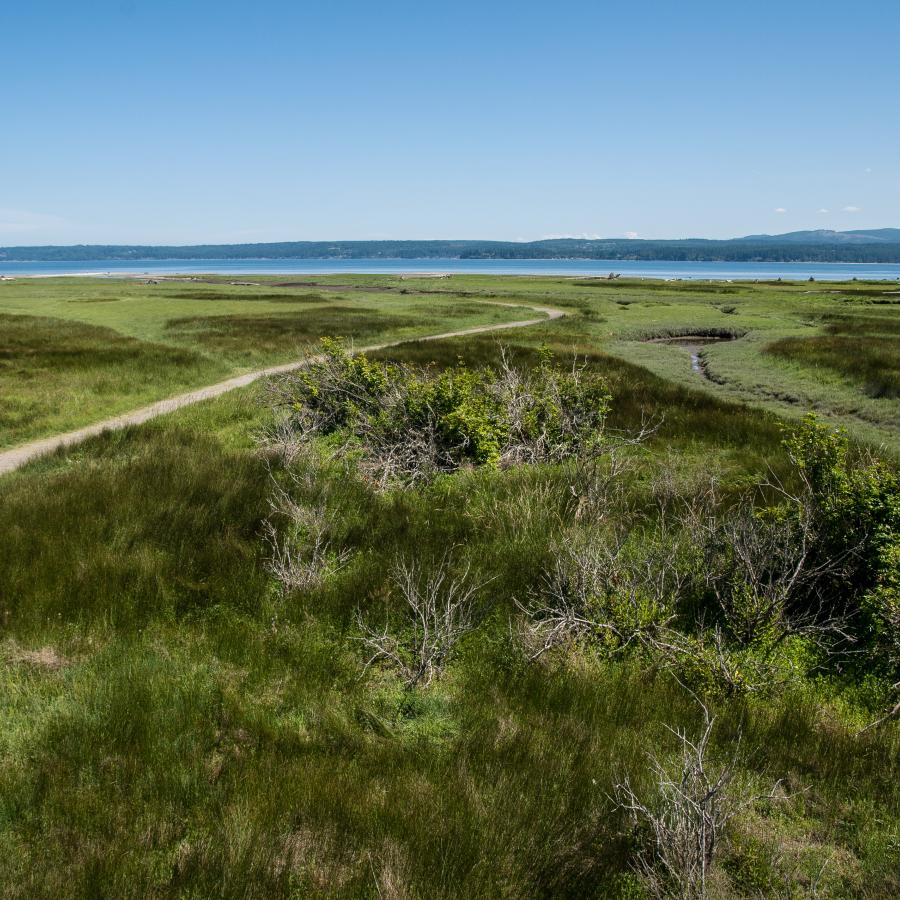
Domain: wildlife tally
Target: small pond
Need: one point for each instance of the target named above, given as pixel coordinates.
(694, 343)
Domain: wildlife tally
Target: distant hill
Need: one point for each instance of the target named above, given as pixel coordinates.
(823, 236)
(880, 245)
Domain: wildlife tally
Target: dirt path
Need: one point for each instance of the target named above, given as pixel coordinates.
(10, 460)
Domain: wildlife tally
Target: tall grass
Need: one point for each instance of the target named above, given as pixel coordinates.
(258, 337)
(54, 373)
(174, 724)
(200, 733)
(869, 360)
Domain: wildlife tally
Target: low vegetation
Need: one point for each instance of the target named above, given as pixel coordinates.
(230, 327)
(455, 619)
(406, 426)
(870, 360)
(54, 372)
(74, 351)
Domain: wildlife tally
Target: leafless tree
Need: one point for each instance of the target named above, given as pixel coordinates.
(280, 439)
(439, 609)
(686, 817)
(301, 552)
(599, 590)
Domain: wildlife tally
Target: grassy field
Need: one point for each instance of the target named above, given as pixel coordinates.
(74, 351)
(831, 348)
(177, 724)
(863, 349)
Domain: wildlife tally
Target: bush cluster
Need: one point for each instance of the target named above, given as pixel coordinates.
(733, 594)
(796, 576)
(405, 424)
(854, 502)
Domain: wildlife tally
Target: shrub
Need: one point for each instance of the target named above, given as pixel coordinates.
(685, 821)
(406, 425)
(854, 501)
(438, 610)
(614, 592)
(301, 552)
(820, 562)
(742, 598)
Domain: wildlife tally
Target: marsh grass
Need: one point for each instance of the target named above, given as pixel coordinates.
(863, 324)
(870, 360)
(256, 297)
(657, 286)
(74, 353)
(259, 337)
(174, 724)
(156, 524)
(598, 321)
(56, 373)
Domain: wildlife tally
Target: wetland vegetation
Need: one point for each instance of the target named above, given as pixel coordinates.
(451, 618)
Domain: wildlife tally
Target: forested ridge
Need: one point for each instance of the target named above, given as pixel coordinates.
(757, 249)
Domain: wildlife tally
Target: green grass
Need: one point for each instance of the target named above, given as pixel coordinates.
(200, 734)
(74, 351)
(263, 337)
(863, 349)
(238, 326)
(175, 725)
(55, 373)
(872, 362)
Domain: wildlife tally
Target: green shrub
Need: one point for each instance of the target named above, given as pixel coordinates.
(746, 598)
(855, 502)
(406, 425)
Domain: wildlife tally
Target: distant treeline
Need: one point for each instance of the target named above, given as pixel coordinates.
(738, 250)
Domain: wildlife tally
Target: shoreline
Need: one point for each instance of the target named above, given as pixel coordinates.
(666, 270)
(403, 275)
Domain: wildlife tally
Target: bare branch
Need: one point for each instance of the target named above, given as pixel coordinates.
(301, 555)
(439, 609)
(687, 817)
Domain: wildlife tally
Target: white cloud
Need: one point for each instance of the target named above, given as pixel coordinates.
(631, 235)
(20, 221)
(852, 209)
(780, 209)
(823, 210)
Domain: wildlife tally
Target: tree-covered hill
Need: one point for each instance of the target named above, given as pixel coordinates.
(881, 246)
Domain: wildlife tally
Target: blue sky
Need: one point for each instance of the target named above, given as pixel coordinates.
(188, 122)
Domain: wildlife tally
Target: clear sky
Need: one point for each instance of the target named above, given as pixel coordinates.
(189, 122)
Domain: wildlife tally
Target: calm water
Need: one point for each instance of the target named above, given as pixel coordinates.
(687, 270)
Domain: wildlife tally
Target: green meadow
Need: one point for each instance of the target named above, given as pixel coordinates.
(95, 347)
(77, 350)
(180, 721)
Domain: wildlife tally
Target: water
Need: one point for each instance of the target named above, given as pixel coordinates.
(694, 344)
(627, 268)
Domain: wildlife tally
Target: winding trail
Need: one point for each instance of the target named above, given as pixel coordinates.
(15, 458)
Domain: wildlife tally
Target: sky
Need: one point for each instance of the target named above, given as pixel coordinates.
(197, 122)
